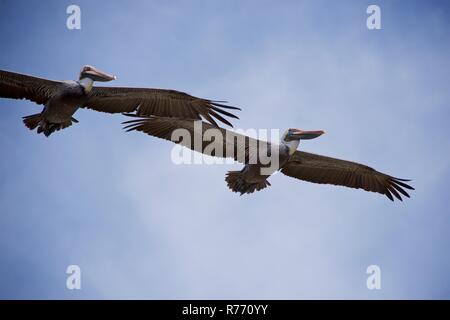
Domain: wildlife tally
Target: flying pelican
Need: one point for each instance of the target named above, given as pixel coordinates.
(292, 162)
(61, 99)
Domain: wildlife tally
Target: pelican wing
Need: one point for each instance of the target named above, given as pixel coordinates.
(325, 170)
(201, 137)
(157, 102)
(20, 86)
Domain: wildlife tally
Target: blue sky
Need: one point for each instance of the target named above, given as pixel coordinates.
(141, 227)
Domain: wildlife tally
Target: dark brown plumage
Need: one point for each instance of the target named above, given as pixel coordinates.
(325, 170)
(20, 86)
(297, 164)
(234, 145)
(158, 102)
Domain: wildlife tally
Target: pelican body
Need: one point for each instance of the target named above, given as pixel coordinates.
(65, 100)
(253, 177)
(61, 99)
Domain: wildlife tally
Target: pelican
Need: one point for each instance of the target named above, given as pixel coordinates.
(290, 161)
(61, 99)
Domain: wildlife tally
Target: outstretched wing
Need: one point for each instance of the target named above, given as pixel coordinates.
(320, 169)
(20, 86)
(202, 137)
(157, 102)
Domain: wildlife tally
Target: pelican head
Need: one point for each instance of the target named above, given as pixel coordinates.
(89, 74)
(291, 138)
(95, 75)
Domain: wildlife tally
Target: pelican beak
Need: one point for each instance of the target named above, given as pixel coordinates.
(306, 135)
(98, 75)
